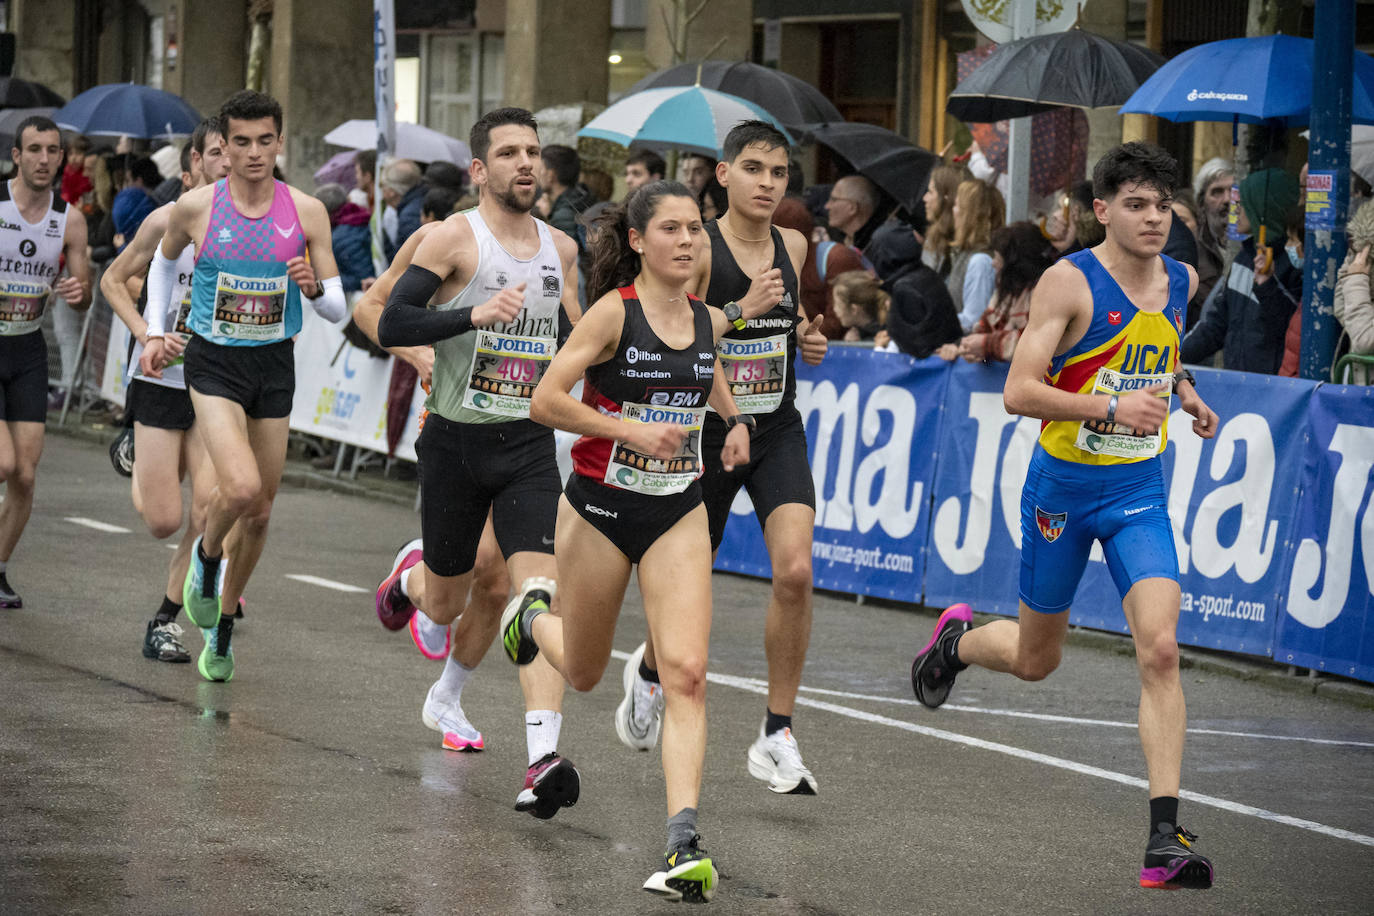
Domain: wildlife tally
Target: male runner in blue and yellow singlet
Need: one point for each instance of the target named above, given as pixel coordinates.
(1097, 363)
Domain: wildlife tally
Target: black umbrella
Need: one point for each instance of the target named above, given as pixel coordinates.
(1073, 69)
(892, 162)
(17, 93)
(785, 97)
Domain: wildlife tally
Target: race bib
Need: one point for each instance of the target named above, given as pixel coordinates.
(21, 306)
(632, 470)
(1100, 437)
(505, 370)
(250, 308)
(756, 370)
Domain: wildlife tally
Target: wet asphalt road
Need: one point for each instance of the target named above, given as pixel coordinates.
(309, 785)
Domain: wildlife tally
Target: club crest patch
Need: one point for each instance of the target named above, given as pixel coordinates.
(1051, 523)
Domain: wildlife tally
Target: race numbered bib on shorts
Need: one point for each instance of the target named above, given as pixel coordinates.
(505, 371)
(250, 308)
(632, 470)
(21, 306)
(1100, 437)
(756, 370)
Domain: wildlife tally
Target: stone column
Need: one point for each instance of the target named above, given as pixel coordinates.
(45, 39)
(724, 30)
(211, 41)
(556, 52)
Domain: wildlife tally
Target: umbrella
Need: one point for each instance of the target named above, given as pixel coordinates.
(1073, 69)
(413, 141)
(11, 118)
(889, 160)
(127, 110)
(688, 118)
(17, 93)
(1245, 79)
(784, 96)
(338, 170)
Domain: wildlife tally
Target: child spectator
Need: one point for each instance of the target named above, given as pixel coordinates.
(861, 305)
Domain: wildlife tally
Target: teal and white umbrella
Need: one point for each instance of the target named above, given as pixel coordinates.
(688, 118)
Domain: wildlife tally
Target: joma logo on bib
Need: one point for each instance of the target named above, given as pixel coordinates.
(252, 286)
(735, 349)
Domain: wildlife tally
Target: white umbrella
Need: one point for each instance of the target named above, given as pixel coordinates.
(689, 118)
(413, 141)
(1361, 150)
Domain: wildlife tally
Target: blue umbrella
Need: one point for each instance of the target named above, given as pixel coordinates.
(688, 118)
(127, 110)
(1245, 79)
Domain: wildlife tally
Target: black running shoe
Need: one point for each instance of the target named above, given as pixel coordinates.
(163, 642)
(1171, 863)
(8, 596)
(931, 678)
(688, 874)
(551, 783)
(122, 452)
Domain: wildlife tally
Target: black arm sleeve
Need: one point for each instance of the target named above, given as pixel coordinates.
(407, 321)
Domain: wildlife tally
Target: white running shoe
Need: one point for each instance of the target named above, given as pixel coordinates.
(639, 717)
(432, 639)
(776, 760)
(448, 720)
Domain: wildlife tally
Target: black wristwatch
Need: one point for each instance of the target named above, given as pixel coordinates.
(735, 315)
(747, 419)
(1183, 375)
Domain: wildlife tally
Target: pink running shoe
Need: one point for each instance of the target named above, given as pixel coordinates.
(430, 638)
(394, 609)
(931, 678)
(551, 782)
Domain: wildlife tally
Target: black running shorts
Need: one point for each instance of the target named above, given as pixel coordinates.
(24, 378)
(160, 406)
(631, 521)
(262, 379)
(778, 471)
(468, 469)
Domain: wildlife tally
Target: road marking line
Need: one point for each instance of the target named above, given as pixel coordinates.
(98, 526)
(327, 583)
(753, 685)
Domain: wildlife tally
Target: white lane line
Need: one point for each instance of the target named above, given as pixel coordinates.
(754, 686)
(98, 526)
(327, 583)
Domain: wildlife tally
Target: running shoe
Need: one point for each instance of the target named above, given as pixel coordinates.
(8, 596)
(200, 594)
(122, 452)
(432, 639)
(551, 782)
(394, 609)
(776, 760)
(217, 658)
(238, 611)
(688, 874)
(537, 593)
(163, 642)
(448, 720)
(1171, 863)
(931, 678)
(639, 717)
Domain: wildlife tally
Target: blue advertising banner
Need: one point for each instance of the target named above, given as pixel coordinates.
(872, 421)
(1328, 613)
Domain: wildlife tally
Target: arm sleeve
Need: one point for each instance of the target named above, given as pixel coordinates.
(978, 280)
(330, 304)
(162, 273)
(408, 322)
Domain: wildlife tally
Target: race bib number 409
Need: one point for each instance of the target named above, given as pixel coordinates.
(250, 308)
(1102, 438)
(505, 371)
(21, 306)
(756, 370)
(630, 469)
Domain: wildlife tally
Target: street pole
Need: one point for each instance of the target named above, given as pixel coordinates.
(1328, 165)
(1019, 134)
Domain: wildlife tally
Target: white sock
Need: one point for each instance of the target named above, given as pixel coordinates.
(541, 732)
(3, 568)
(405, 580)
(450, 685)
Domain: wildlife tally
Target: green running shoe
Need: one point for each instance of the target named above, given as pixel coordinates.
(200, 594)
(688, 875)
(216, 661)
(536, 596)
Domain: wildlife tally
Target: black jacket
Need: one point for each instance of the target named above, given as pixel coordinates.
(1247, 320)
(922, 316)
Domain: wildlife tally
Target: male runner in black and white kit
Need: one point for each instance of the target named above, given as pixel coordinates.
(161, 406)
(37, 230)
(749, 258)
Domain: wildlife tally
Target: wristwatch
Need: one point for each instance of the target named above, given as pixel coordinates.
(1111, 409)
(735, 315)
(747, 419)
(1183, 375)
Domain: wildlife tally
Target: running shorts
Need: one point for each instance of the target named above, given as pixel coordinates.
(631, 521)
(262, 380)
(778, 471)
(160, 406)
(468, 469)
(24, 378)
(1065, 506)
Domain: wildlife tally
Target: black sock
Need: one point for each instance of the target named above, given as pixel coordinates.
(682, 827)
(210, 562)
(168, 612)
(649, 674)
(1163, 814)
(775, 723)
(951, 653)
